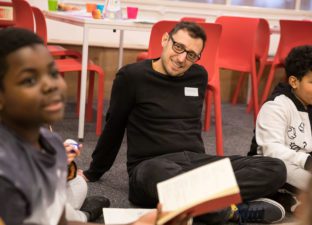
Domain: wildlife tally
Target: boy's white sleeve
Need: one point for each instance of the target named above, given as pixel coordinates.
(271, 127)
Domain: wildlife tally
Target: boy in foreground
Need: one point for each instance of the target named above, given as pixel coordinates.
(33, 163)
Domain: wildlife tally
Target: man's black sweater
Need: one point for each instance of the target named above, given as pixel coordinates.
(162, 114)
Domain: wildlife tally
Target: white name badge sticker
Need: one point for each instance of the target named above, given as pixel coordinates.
(190, 91)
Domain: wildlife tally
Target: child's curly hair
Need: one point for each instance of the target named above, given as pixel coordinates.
(299, 61)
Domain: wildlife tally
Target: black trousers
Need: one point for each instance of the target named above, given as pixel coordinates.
(256, 176)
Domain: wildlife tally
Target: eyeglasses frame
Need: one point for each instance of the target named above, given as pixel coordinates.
(187, 52)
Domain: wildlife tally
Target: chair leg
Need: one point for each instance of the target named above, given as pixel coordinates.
(89, 112)
(218, 125)
(208, 101)
(255, 93)
(100, 107)
(260, 73)
(249, 106)
(78, 94)
(268, 84)
(238, 88)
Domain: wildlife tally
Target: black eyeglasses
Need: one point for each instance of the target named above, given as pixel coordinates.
(180, 48)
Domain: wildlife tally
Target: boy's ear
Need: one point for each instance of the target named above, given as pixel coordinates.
(293, 81)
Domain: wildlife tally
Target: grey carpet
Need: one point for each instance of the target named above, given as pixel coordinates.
(237, 134)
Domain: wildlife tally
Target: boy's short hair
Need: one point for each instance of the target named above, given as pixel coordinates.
(299, 61)
(12, 39)
(194, 30)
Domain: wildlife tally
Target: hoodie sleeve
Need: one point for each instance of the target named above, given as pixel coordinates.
(271, 131)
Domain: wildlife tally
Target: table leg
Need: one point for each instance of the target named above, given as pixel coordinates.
(120, 56)
(249, 89)
(83, 84)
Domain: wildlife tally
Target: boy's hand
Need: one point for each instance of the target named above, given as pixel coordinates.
(72, 151)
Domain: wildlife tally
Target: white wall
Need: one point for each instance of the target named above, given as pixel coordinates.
(59, 32)
(161, 9)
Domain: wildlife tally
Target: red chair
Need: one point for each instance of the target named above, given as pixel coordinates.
(158, 30)
(238, 48)
(209, 60)
(74, 65)
(208, 96)
(41, 30)
(154, 46)
(193, 19)
(23, 15)
(24, 19)
(292, 33)
(262, 49)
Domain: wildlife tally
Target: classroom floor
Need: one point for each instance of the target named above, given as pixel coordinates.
(237, 134)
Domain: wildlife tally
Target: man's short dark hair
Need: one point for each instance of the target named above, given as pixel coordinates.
(194, 30)
(12, 39)
(299, 61)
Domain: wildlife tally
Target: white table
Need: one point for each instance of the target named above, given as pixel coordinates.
(84, 20)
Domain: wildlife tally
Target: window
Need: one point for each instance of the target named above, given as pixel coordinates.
(306, 5)
(206, 1)
(276, 4)
(273, 4)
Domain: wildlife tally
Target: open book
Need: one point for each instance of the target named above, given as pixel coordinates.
(122, 215)
(202, 190)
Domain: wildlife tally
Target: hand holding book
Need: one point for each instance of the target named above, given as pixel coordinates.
(146, 219)
(137, 216)
(202, 190)
(205, 189)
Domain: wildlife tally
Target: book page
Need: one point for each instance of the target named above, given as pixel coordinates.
(123, 216)
(201, 184)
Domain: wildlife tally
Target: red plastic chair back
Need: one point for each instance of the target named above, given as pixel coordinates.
(154, 47)
(41, 31)
(41, 26)
(238, 42)
(263, 40)
(238, 48)
(262, 50)
(292, 33)
(209, 60)
(210, 53)
(194, 19)
(209, 56)
(23, 14)
(158, 30)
